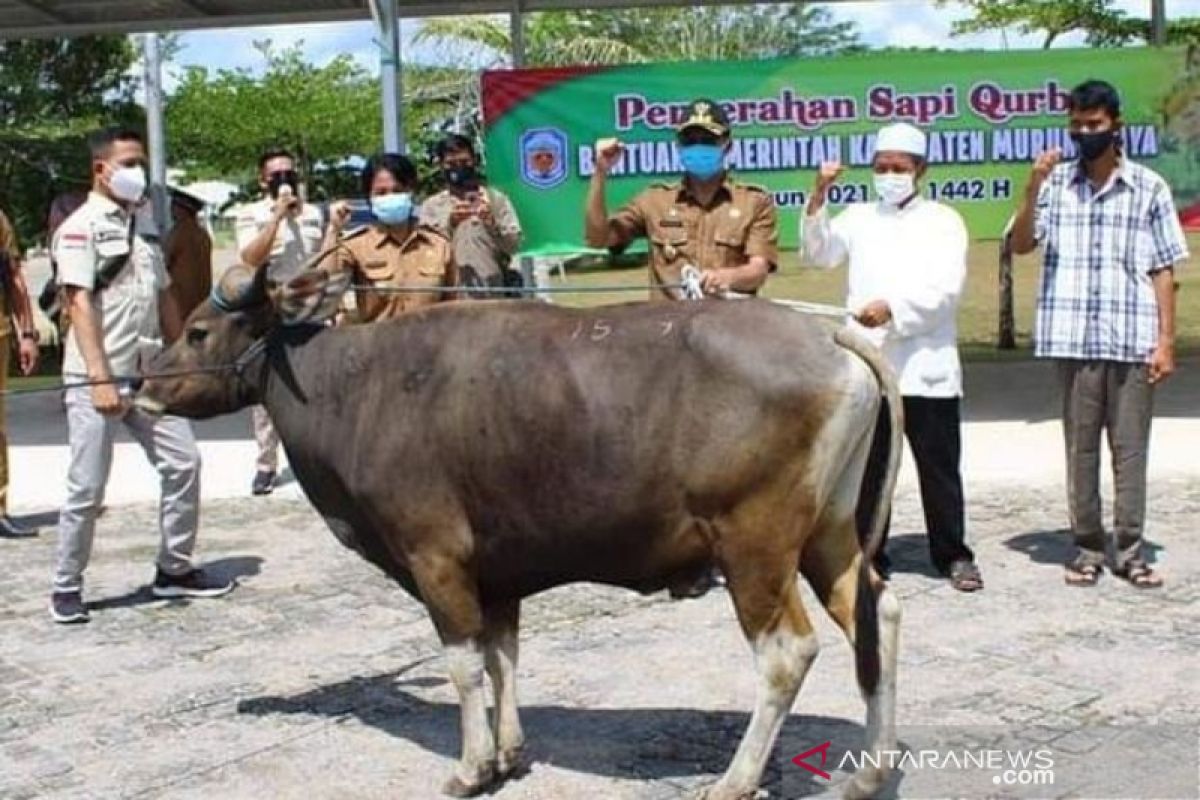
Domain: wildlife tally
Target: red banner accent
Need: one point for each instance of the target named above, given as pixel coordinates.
(505, 89)
(1190, 217)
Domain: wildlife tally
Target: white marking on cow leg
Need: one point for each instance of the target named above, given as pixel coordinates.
(476, 769)
(500, 652)
(783, 658)
(881, 706)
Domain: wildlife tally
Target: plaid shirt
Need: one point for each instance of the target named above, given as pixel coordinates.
(1097, 300)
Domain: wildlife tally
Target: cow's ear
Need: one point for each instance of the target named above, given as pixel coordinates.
(311, 297)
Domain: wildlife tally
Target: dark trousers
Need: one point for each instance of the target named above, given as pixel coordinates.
(1117, 398)
(931, 426)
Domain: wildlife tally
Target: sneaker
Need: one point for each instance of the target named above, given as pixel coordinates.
(190, 584)
(264, 483)
(68, 608)
(11, 529)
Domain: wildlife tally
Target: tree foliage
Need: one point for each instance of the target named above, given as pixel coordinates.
(220, 123)
(52, 94)
(1101, 22)
(559, 38)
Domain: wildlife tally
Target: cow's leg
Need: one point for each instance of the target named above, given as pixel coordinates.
(453, 602)
(501, 623)
(869, 614)
(762, 581)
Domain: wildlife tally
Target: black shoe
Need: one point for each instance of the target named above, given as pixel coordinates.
(68, 608)
(11, 529)
(191, 584)
(264, 483)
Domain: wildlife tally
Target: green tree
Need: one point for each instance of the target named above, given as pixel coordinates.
(1099, 20)
(219, 123)
(559, 38)
(52, 93)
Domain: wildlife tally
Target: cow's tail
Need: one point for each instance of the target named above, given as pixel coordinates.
(866, 612)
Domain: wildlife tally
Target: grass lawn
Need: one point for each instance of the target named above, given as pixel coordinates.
(978, 316)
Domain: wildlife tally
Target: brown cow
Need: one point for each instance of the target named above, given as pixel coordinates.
(480, 453)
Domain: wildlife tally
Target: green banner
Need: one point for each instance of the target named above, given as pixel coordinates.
(988, 115)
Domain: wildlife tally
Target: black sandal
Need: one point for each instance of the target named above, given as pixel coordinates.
(965, 576)
(1139, 575)
(1082, 573)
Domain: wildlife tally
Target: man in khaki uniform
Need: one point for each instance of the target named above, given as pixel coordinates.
(116, 285)
(725, 229)
(479, 220)
(14, 302)
(281, 232)
(395, 250)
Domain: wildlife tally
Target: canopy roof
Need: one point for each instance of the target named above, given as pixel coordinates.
(40, 18)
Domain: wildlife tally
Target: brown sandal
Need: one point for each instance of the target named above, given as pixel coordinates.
(1082, 574)
(1139, 575)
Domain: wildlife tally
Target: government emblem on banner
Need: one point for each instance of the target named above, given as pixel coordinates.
(544, 157)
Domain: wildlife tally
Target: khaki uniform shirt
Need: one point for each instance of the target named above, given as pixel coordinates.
(11, 247)
(480, 250)
(739, 224)
(376, 258)
(128, 307)
(189, 262)
(298, 238)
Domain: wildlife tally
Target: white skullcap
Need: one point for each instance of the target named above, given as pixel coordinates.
(901, 138)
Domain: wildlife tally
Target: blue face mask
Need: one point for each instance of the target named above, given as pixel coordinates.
(702, 161)
(392, 209)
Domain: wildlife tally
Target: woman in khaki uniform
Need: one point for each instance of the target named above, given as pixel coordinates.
(394, 250)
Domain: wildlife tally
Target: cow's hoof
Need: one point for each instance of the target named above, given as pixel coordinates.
(511, 763)
(864, 784)
(460, 786)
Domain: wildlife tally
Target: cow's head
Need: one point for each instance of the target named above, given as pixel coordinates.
(214, 367)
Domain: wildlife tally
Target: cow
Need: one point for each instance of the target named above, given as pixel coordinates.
(479, 453)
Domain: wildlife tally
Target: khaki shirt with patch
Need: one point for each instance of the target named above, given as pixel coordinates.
(377, 258)
(485, 249)
(739, 224)
(128, 307)
(11, 247)
(298, 238)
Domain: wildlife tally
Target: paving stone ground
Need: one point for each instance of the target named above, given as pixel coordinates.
(318, 679)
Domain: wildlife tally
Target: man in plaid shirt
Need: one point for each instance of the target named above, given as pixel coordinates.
(1106, 312)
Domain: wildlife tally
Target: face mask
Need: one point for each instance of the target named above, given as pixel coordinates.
(894, 188)
(392, 209)
(702, 161)
(277, 180)
(128, 184)
(1093, 145)
(461, 177)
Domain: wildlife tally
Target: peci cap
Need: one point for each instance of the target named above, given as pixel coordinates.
(901, 138)
(707, 115)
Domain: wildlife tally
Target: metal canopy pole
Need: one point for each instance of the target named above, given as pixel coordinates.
(1158, 22)
(157, 140)
(516, 21)
(391, 75)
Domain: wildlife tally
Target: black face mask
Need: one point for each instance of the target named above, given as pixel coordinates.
(1093, 145)
(461, 177)
(277, 180)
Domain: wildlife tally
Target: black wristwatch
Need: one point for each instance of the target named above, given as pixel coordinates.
(31, 335)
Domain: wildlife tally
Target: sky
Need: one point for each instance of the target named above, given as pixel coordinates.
(902, 23)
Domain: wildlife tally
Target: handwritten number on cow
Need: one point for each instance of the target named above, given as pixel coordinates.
(600, 330)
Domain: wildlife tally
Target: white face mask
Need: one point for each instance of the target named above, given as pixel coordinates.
(128, 183)
(894, 188)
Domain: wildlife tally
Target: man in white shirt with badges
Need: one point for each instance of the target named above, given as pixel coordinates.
(112, 270)
(282, 232)
(907, 260)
